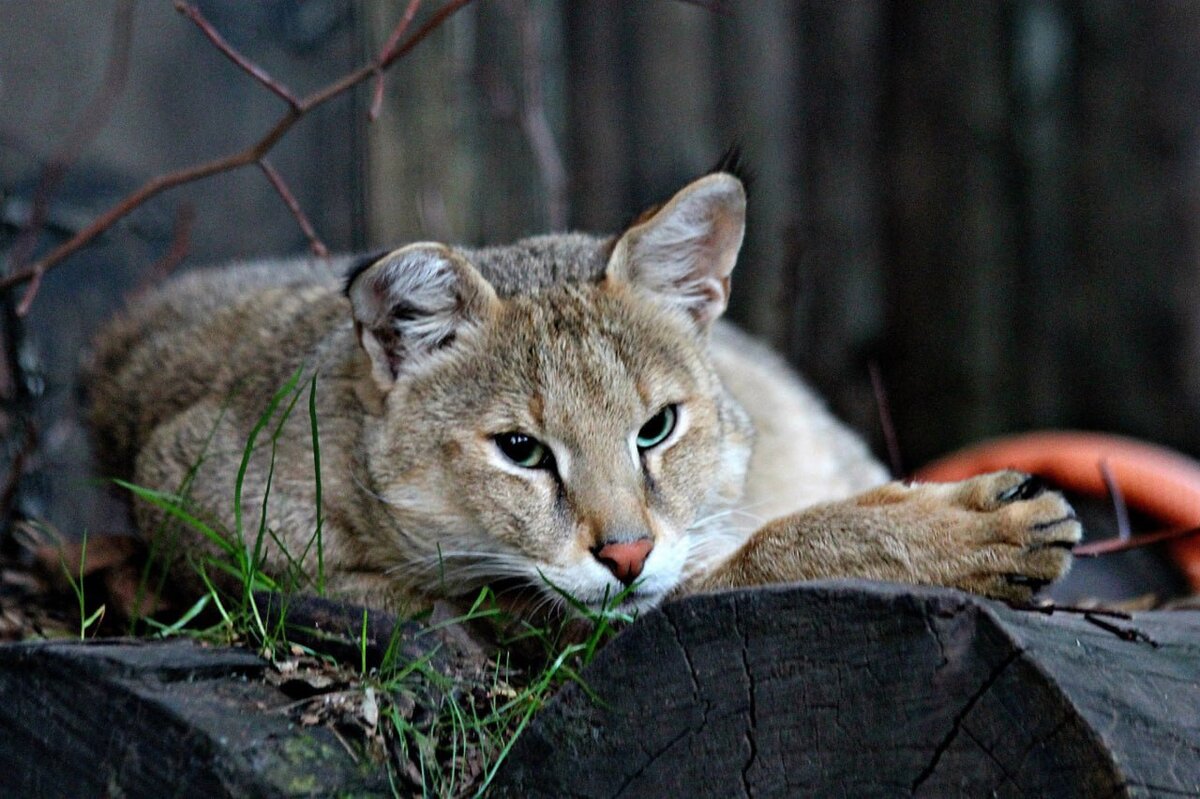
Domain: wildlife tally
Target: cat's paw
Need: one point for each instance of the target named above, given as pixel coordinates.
(1006, 535)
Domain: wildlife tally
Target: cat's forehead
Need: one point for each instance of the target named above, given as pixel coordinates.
(534, 264)
(586, 346)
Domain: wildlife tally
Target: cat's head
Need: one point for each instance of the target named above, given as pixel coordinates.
(569, 438)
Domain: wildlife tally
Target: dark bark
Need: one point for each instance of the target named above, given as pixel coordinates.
(865, 690)
(852, 688)
(113, 718)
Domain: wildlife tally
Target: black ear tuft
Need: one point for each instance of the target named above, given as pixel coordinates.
(359, 265)
(734, 163)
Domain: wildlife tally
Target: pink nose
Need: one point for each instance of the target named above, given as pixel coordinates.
(624, 559)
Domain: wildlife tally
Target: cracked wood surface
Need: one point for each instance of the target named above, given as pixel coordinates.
(134, 718)
(124, 718)
(829, 689)
(858, 689)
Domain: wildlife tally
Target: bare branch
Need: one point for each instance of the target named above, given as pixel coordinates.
(1050, 608)
(250, 155)
(181, 245)
(439, 16)
(35, 284)
(386, 59)
(884, 409)
(136, 199)
(389, 45)
(1124, 633)
(20, 461)
(1110, 545)
(1120, 512)
(90, 122)
(717, 7)
(534, 121)
(245, 64)
(314, 243)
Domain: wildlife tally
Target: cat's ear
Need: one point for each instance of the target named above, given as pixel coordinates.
(683, 253)
(413, 302)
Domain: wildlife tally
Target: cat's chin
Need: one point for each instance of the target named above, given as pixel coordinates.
(631, 603)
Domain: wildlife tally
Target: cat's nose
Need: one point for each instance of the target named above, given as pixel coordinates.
(624, 559)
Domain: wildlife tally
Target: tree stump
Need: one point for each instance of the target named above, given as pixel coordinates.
(859, 689)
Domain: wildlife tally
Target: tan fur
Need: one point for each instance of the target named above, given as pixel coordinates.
(577, 341)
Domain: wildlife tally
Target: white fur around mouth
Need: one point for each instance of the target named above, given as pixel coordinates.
(635, 601)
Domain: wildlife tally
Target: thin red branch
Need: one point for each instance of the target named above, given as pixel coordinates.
(438, 17)
(20, 461)
(137, 198)
(35, 284)
(713, 6)
(1120, 512)
(884, 409)
(388, 46)
(250, 155)
(245, 64)
(89, 123)
(1110, 545)
(535, 123)
(1049, 609)
(385, 60)
(1124, 633)
(181, 245)
(289, 199)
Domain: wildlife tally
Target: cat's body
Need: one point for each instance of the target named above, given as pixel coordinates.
(562, 414)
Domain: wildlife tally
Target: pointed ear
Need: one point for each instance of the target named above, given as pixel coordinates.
(684, 253)
(413, 302)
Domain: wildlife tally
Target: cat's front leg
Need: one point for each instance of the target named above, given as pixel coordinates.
(1001, 534)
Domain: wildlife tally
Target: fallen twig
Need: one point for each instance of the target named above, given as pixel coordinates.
(1049, 609)
(1094, 616)
(1124, 633)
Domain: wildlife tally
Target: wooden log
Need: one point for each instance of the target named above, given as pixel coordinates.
(857, 689)
(837, 688)
(123, 718)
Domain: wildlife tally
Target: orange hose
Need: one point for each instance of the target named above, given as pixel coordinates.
(1156, 481)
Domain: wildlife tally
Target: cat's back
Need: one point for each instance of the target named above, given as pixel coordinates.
(249, 325)
(201, 334)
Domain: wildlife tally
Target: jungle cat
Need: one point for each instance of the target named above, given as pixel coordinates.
(566, 414)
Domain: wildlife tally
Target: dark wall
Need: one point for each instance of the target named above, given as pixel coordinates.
(995, 202)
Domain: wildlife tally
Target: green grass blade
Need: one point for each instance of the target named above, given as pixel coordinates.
(316, 451)
(363, 645)
(167, 630)
(288, 387)
(170, 504)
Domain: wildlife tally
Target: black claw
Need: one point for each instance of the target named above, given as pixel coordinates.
(1023, 579)
(1067, 545)
(1032, 486)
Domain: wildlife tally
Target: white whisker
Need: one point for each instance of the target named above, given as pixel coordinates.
(366, 490)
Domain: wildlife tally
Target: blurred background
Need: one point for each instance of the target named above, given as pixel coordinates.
(994, 202)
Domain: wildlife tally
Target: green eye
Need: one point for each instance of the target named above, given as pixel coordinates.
(655, 431)
(525, 451)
